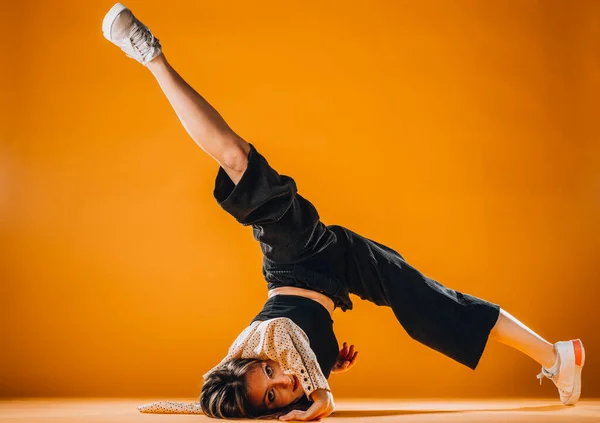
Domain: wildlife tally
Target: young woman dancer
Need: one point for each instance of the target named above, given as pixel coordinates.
(279, 364)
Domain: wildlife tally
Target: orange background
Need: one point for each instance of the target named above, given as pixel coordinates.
(464, 134)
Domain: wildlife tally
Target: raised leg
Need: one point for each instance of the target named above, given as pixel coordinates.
(202, 122)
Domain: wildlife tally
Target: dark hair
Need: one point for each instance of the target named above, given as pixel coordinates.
(224, 393)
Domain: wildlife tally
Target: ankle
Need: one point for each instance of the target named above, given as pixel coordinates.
(551, 360)
(157, 64)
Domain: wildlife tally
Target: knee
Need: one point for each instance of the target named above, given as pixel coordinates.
(236, 158)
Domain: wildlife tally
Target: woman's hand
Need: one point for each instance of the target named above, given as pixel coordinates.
(322, 406)
(346, 359)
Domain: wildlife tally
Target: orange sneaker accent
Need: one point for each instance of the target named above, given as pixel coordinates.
(578, 354)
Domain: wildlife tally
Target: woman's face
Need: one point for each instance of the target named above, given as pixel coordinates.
(269, 388)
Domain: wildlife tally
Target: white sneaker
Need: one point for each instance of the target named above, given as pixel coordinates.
(571, 356)
(120, 27)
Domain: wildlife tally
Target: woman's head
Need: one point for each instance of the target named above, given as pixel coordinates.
(247, 387)
(270, 389)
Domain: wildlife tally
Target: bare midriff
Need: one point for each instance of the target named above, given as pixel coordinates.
(322, 299)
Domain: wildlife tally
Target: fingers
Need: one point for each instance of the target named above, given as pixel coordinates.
(346, 359)
(350, 352)
(353, 359)
(322, 406)
(344, 350)
(312, 412)
(305, 415)
(292, 415)
(349, 362)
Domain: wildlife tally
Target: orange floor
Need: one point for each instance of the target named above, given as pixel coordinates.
(123, 410)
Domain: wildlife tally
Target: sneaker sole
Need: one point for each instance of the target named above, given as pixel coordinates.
(579, 352)
(110, 17)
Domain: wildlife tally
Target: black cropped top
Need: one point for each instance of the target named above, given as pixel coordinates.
(313, 319)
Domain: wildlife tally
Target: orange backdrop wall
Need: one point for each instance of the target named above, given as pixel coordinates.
(464, 134)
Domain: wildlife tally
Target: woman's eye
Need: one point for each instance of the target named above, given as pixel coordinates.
(271, 396)
(269, 371)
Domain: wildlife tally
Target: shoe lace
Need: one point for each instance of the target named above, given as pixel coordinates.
(141, 39)
(544, 373)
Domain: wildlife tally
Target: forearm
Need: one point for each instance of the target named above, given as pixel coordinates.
(202, 122)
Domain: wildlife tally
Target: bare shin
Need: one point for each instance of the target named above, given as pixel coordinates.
(201, 121)
(510, 331)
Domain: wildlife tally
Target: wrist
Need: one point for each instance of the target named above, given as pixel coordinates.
(321, 394)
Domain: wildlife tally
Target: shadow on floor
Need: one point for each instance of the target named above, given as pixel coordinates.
(376, 413)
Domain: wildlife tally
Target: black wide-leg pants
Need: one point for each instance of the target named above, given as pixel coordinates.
(300, 250)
